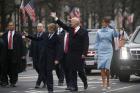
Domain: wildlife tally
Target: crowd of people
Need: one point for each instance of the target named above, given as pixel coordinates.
(62, 47)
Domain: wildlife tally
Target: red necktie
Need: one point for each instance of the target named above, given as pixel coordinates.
(10, 41)
(67, 43)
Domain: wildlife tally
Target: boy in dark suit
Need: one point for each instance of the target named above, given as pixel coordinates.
(51, 54)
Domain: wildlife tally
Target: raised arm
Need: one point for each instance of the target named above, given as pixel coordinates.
(60, 23)
(32, 37)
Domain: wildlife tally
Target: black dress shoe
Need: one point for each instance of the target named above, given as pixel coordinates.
(85, 85)
(44, 86)
(37, 86)
(0, 83)
(68, 88)
(4, 84)
(12, 85)
(74, 89)
(50, 91)
(116, 77)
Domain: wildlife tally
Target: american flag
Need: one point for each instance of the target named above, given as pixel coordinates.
(75, 13)
(29, 8)
(22, 10)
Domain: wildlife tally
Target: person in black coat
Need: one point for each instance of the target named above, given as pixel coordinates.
(64, 64)
(59, 67)
(35, 52)
(1, 47)
(76, 49)
(2, 56)
(50, 53)
(23, 64)
(14, 55)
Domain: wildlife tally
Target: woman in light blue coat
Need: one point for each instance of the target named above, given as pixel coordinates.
(104, 49)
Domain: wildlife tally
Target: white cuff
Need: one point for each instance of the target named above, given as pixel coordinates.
(56, 18)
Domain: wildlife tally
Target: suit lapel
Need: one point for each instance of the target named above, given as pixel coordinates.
(52, 36)
(14, 39)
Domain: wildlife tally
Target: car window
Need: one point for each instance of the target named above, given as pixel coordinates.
(137, 38)
(92, 36)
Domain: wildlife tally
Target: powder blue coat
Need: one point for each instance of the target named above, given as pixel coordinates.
(103, 46)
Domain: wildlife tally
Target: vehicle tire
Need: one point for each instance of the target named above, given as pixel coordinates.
(88, 71)
(124, 77)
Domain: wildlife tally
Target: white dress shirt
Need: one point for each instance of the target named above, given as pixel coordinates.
(76, 29)
(65, 39)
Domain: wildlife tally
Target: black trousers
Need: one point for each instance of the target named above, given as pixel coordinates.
(49, 74)
(10, 68)
(77, 67)
(4, 73)
(0, 72)
(39, 67)
(66, 68)
(59, 72)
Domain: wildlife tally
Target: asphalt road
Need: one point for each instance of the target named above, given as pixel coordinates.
(27, 81)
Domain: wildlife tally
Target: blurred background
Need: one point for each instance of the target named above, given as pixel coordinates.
(123, 13)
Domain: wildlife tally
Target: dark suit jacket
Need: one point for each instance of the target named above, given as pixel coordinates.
(79, 42)
(18, 46)
(50, 47)
(61, 39)
(36, 46)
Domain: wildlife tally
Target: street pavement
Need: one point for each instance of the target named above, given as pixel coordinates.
(28, 78)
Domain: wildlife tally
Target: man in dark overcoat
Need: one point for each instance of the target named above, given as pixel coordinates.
(14, 55)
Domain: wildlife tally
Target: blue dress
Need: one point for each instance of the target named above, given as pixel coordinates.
(103, 46)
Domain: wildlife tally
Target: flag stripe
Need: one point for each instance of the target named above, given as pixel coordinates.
(23, 12)
(30, 10)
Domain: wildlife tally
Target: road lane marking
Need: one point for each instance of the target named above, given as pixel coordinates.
(26, 77)
(57, 91)
(121, 88)
(14, 91)
(78, 86)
